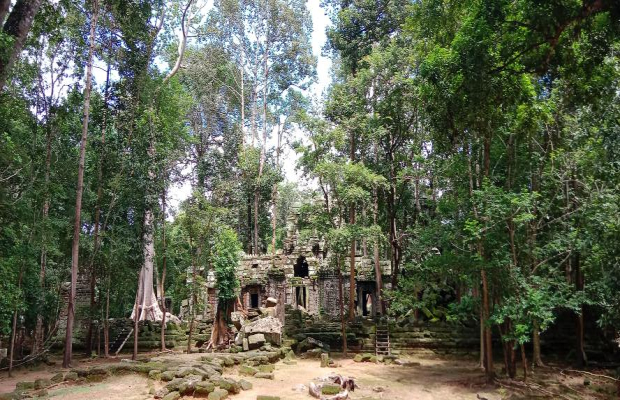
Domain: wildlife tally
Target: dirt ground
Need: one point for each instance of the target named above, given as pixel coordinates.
(426, 377)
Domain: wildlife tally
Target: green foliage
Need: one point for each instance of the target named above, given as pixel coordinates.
(226, 260)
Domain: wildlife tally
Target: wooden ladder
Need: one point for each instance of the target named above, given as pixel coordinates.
(382, 340)
(117, 345)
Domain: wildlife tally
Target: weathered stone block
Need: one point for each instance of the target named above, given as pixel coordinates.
(247, 370)
(42, 383)
(203, 388)
(245, 385)
(71, 376)
(230, 385)
(265, 375)
(155, 374)
(172, 396)
(266, 368)
(218, 394)
(256, 340)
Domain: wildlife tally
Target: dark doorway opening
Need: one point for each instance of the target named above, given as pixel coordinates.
(366, 303)
(253, 300)
(301, 296)
(300, 269)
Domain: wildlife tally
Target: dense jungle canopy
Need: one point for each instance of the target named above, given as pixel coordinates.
(474, 143)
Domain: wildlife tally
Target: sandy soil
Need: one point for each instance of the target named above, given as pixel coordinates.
(429, 380)
(429, 377)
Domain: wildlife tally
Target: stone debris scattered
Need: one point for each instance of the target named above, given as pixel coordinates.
(198, 378)
(332, 387)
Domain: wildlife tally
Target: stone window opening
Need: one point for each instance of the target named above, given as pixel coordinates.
(300, 269)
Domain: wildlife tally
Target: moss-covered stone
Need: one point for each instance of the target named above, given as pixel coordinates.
(172, 396)
(266, 368)
(203, 388)
(230, 385)
(218, 394)
(265, 375)
(155, 374)
(264, 397)
(330, 389)
(71, 376)
(247, 370)
(167, 376)
(25, 385)
(245, 385)
(59, 377)
(42, 383)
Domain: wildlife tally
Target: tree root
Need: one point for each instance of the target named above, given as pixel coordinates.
(529, 386)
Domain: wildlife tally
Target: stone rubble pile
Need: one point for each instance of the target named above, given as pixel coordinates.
(199, 378)
(261, 331)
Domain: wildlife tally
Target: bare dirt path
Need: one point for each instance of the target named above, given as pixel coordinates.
(430, 379)
(426, 377)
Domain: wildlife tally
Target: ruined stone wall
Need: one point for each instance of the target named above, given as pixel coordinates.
(442, 337)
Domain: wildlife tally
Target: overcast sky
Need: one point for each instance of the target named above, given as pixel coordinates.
(320, 21)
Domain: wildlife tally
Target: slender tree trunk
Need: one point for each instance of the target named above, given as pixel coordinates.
(17, 26)
(343, 323)
(97, 239)
(523, 362)
(163, 272)
(377, 261)
(106, 323)
(38, 332)
(536, 358)
(274, 196)
(75, 248)
(352, 285)
(582, 359)
(194, 297)
(14, 328)
(490, 371)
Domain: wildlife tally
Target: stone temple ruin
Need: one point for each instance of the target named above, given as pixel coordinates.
(290, 297)
(299, 277)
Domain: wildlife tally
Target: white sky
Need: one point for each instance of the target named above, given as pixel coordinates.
(178, 193)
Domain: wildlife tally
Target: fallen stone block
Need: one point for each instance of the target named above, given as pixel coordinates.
(172, 396)
(245, 385)
(247, 370)
(218, 394)
(203, 388)
(42, 383)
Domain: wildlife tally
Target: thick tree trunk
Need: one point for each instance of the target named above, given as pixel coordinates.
(147, 307)
(17, 26)
(75, 248)
(4, 10)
